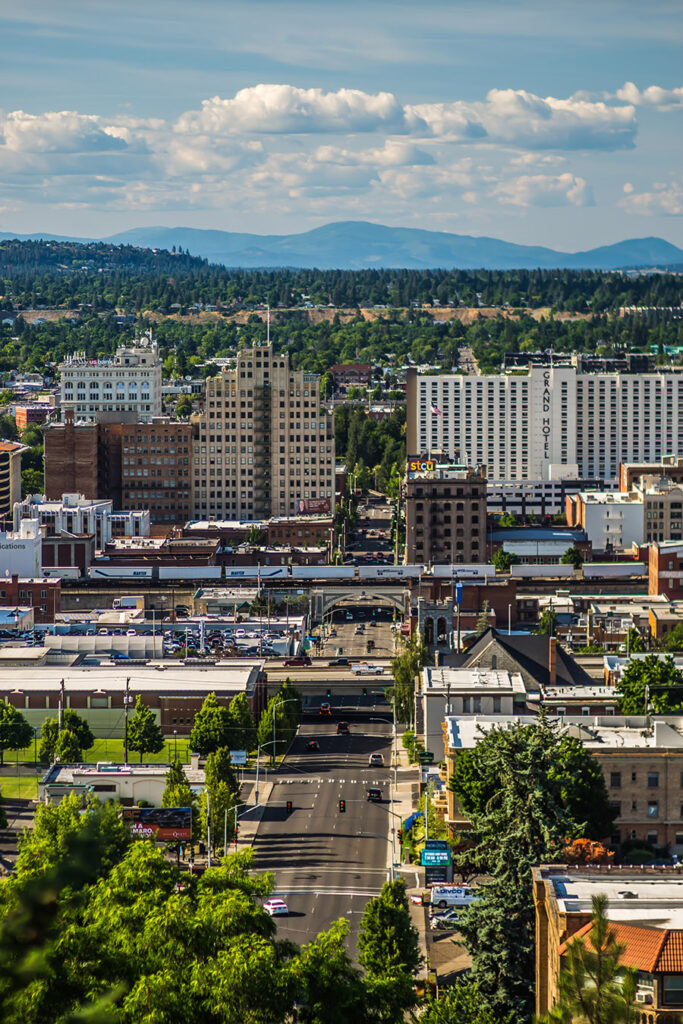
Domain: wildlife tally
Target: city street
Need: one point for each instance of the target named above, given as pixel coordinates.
(327, 864)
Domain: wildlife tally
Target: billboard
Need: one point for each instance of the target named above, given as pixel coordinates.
(163, 824)
(238, 757)
(313, 505)
(421, 465)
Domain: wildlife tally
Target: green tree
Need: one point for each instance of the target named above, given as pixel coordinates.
(503, 560)
(67, 748)
(651, 683)
(582, 790)
(673, 641)
(405, 668)
(212, 727)
(483, 619)
(8, 429)
(32, 482)
(255, 536)
(73, 722)
(635, 644)
(332, 989)
(509, 519)
(243, 723)
(177, 793)
(389, 953)
(547, 624)
(8, 397)
(594, 987)
(524, 824)
(15, 732)
(572, 556)
(276, 727)
(144, 733)
(462, 1004)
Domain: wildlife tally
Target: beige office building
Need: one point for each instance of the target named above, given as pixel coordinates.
(264, 444)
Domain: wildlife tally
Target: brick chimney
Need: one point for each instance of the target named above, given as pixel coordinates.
(552, 660)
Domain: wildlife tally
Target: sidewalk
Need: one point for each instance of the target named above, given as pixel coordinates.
(407, 794)
(249, 817)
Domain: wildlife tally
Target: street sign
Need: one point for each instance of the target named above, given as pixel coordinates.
(426, 756)
(436, 844)
(435, 858)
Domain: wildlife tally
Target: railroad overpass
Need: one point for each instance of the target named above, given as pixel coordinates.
(324, 599)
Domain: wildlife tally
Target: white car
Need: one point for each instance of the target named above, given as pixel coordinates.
(275, 907)
(240, 633)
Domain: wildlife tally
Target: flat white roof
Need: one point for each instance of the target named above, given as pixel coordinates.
(598, 733)
(154, 677)
(442, 680)
(655, 901)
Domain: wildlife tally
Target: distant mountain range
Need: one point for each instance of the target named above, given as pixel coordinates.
(359, 245)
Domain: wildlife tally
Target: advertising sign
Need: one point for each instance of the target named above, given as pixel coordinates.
(313, 505)
(435, 858)
(163, 824)
(421, 465)
(238, 757)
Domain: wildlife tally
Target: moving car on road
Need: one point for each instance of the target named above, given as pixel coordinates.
(376, 760)
(299, 662)
(373, 794)
(275, 907)
(339, 662)
(343, 727)
(324, 709)
(312, 745)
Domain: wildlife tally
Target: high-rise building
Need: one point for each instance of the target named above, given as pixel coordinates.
(10, 477)
(523, 425)
(264, 442)
(71, 459)
(156, 469)
(445, 513)
(130, 382)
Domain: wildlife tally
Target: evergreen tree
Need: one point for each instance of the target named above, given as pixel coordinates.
(462, 1004)
(389, 953)
(213, 727)
(594, 987)
(144, 733)
(523, 824)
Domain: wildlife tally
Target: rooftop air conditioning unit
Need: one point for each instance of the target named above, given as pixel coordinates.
(643, 997)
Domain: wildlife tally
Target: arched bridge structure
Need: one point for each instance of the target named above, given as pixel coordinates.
(324, 599)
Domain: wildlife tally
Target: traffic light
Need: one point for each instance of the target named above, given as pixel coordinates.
(342, 806)
(400, 835)
(290, 807)
(329, 692)
(365, 691)
(235, 833)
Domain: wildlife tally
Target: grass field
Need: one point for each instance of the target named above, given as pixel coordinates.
(19, 786)
(111, 750)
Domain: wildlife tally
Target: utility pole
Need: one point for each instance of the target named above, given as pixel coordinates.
(126, 701)
(61, 705)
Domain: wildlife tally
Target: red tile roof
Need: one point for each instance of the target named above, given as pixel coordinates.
(647, 949)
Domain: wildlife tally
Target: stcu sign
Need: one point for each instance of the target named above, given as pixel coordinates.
(421, 466)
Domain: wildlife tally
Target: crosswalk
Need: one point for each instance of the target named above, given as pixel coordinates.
(318, 782)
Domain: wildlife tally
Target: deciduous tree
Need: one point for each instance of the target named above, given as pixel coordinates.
(15, 732)
(212, 726)
(49, 734)
(144, 733)
(389, 953)
(650, 683)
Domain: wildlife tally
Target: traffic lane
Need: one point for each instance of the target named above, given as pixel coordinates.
(328, 863)
(340, 752)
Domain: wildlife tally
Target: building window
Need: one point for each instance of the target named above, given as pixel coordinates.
(672, 989)
(653, 780)
(652, 809)
(615, 780)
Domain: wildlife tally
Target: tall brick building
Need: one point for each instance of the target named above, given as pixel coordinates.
(445, 513)
(71, 459)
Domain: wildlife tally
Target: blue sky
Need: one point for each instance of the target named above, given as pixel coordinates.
(533, 121)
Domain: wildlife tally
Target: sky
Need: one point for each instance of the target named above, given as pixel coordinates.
(556, 123)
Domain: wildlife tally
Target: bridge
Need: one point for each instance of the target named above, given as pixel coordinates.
(324, 599)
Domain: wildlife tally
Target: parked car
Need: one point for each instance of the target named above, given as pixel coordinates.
(453, 896)
(299, 662)
(447, 920)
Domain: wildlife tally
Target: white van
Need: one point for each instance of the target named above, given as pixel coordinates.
(453, 896)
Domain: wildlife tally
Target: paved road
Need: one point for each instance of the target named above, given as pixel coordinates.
(328, 864)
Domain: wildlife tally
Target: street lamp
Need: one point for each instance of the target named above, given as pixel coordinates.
(127, 701)
(175, 744)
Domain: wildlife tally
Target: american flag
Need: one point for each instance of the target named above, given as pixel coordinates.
(434, 409)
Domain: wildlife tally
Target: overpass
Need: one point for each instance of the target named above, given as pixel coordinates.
(324, 599)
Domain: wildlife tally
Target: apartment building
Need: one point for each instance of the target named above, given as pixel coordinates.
(645, 913)
(665, 569)
(43, 595)
(523, 425)
(130, 382)
(670, 466)
(156, 469)
(10, 477)
(538, 498)
(263, 442)
(614, 520)
(445, 513)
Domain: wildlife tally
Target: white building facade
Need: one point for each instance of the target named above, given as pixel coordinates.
(130, 382)
(525, 426)
(21, 551)
(77, 514)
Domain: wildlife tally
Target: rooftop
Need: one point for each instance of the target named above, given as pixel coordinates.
(153, 677)
(444, 680)
(598, 733)
(635, 896)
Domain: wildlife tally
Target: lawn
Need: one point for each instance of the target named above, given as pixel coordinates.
(112, 750)
(24, 786)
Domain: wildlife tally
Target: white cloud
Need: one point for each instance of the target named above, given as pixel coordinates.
(653, 96)
(523, 119)
(56, 132)
(544, 190)
(286, 109)
(664, 199)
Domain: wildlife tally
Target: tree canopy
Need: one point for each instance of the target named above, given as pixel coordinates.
(652, 683)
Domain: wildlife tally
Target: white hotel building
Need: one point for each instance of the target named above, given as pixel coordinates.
(130, 382)
(552, 419)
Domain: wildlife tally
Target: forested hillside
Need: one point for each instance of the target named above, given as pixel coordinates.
(108, 277)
